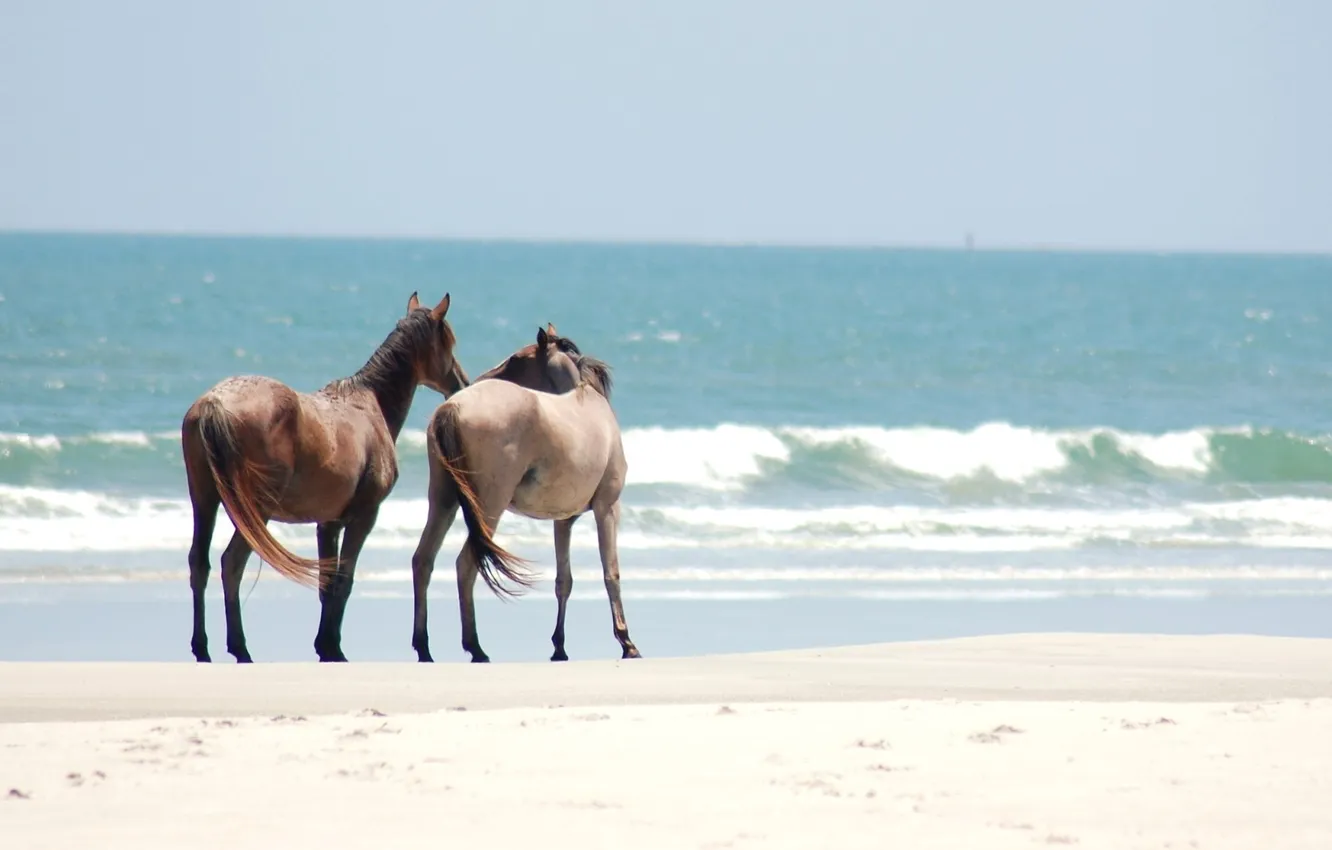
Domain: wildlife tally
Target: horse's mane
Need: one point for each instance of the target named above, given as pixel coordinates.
(396, 354)
(590, 370)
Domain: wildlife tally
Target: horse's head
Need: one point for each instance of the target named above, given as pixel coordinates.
(548, 366)
(437, 367)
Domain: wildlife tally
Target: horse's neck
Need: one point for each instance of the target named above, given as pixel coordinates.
(393, 390)
(395, 410)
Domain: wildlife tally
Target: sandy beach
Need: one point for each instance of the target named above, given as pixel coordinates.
(1098, 741)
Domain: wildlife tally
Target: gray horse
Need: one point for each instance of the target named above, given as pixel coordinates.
(542, 441)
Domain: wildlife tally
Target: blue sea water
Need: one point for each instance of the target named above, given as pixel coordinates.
(812, 430)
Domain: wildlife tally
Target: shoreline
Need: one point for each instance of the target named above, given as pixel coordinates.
(134, 622)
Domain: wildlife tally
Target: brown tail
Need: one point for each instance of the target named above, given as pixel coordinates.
(491, 558)
(243, 485)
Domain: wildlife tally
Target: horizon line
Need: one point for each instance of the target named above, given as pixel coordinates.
(964, 246)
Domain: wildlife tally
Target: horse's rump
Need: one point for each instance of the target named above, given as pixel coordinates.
(246, 487)
(445, 435)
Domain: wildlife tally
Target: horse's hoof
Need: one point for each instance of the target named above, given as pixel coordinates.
(241, 657)
(560, 655)
(328, 651)
(203, 658)
(422, 649)
(333, 659)
(631, 652)
(480, 659)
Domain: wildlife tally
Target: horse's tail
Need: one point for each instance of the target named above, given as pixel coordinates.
(491, 558)
(243, 486)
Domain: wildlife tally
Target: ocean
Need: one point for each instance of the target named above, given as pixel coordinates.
(825, 445)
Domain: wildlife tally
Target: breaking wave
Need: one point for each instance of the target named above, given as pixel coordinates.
(738, 457)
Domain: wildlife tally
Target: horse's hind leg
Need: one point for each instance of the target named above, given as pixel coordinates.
(468, 570)
(205, 518)
(493, 499)
(443, 511)
(608, 523)
(563, 583)
(233, 568)
(467, 573)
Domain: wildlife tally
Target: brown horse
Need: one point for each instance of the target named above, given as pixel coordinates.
(541, 441)
(266, 451)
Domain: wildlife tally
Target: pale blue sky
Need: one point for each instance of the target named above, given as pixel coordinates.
(1170, 124)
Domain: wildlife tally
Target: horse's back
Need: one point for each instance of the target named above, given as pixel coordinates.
(249, 397)
(490, 406)
(583, 412)
(258, 413)
(507, 407)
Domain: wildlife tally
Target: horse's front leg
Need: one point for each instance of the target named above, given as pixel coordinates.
(326, 538)
(563, 583)
(332, 603)
(443, 510)
(608, 524)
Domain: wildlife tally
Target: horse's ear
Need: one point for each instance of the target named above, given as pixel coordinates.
(550, 329)
(543, 338)
(413, 303)
(441, 308)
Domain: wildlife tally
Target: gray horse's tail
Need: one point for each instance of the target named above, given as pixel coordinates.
(492, 559)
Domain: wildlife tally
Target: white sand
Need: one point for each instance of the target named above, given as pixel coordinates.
(1089, 741)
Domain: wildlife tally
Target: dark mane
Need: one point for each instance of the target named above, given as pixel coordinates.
(568, 346)
(397, 354)
(595, 372)
(590, 369)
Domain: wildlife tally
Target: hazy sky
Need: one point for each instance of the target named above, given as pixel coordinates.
(1163, 124)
